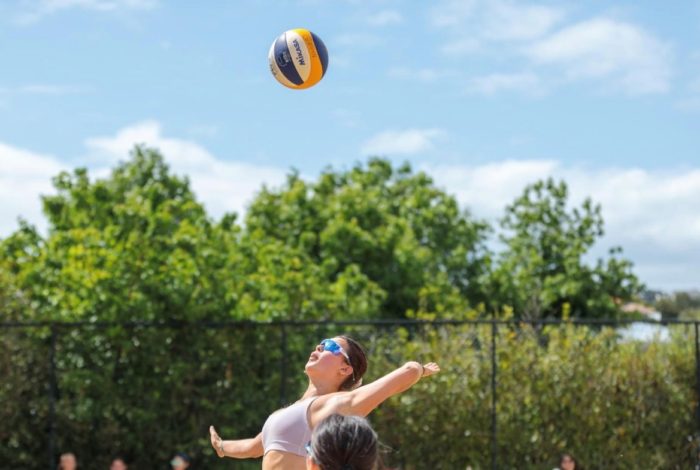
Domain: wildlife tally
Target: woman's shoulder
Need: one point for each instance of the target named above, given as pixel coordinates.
(324, 405)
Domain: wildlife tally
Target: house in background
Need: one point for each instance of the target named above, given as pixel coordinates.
(635, 307)
(640, 331)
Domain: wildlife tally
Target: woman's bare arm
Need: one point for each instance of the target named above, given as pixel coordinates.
(237, 449)
(363, 400)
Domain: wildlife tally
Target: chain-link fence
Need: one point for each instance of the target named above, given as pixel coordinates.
(511, 394)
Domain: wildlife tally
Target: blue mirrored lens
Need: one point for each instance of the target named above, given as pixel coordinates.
(330, 345)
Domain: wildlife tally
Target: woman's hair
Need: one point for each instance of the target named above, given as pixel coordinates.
(344, 443)
(358, 361)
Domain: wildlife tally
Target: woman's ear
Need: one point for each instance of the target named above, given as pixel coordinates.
(346, 370)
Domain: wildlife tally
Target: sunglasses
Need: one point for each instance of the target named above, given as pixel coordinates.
(310, 451)
(334, 348)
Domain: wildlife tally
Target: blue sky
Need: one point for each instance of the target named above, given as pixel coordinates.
(485, 95)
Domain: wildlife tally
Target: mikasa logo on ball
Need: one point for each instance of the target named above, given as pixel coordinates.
(300, 55)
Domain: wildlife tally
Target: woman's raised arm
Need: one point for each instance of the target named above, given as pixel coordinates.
(238, 449)
(363, 400)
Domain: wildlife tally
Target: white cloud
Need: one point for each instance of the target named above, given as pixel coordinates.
(38, 9)
(496, 19)
(486, 189)
(222, 186)
(421, 74)
(690, 104)
(606, 49)
(384, 18)
(620, 55)
(525, 82)
(461, 47)
(204, 130)
(652, 214)
(493, 20)
(347, 117)
(406, 142)
(341, 61)
(506, 20)
(24, 176)
(452, 13)
(695, 85)
(357, 40)
(43, 89)
(690, 98)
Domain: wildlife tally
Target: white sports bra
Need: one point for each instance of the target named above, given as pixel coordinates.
(288, 429)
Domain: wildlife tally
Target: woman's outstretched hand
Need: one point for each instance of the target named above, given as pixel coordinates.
(430, 368)
(216, 441)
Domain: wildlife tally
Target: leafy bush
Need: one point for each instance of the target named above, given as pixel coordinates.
(148, 392)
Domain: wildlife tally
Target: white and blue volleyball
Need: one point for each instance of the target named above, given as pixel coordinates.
(298, 59)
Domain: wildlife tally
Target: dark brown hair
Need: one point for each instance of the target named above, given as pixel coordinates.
(344, 443)
(358, 362)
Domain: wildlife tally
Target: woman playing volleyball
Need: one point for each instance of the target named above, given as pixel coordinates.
(335, 369)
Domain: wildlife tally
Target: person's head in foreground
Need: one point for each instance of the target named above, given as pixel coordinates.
(343, 443)
(337, 363)
(118, 463)
(180, 461)
(67, 462)
(568, 462)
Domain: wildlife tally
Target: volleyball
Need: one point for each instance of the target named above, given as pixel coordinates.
(298, 59)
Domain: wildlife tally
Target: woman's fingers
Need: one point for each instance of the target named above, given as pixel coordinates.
(216, 441)
(430, 368)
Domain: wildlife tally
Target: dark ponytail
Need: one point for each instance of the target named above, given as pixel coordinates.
(345, 443)
(358, 362)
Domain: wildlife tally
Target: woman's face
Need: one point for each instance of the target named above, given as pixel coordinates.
(178, 463)
(68, 462)
(118, 464)
(325, 363)
(567, 463)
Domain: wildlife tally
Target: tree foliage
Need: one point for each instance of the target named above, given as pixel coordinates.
(542, 266)
(371, 242)
(378, 233)
(681, 304)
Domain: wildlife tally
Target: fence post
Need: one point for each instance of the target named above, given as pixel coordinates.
(697, 391)
(494, 368)
(52, 397)
(283, 367)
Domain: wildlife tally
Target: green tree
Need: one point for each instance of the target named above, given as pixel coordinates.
(383, 228)
(135, 246)
(542, 269)
(681, 304)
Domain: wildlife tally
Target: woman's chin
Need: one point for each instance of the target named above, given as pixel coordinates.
(312, 367)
